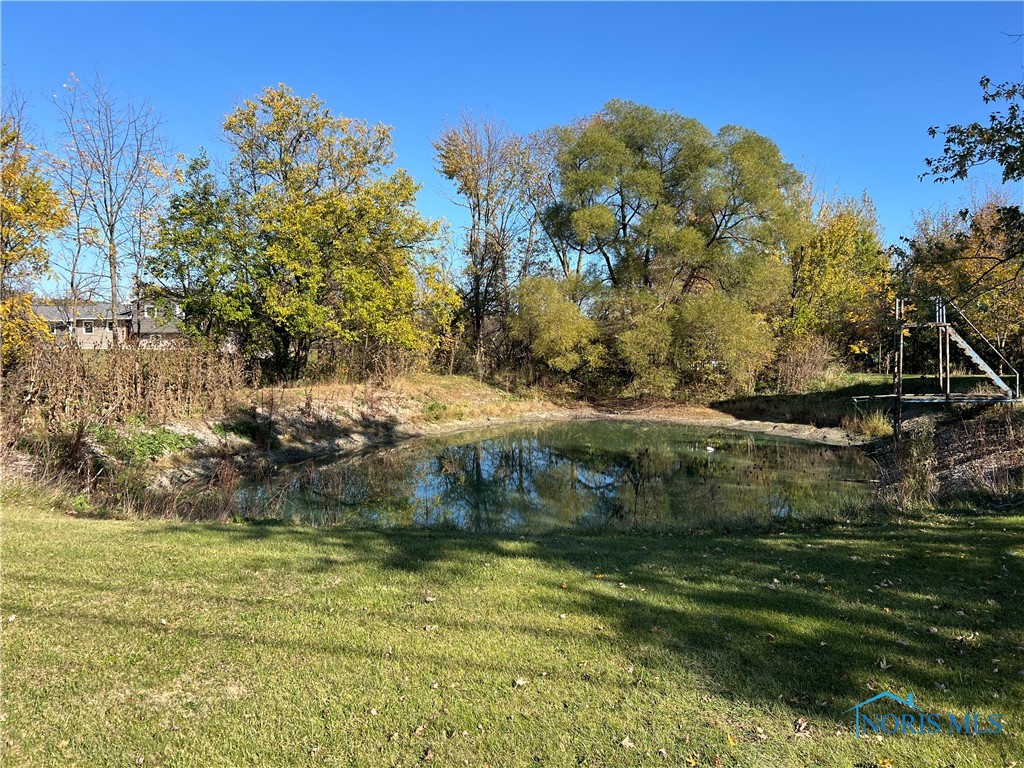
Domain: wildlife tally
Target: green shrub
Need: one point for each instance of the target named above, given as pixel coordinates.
(554, 331)
(719, 345)
(435, 410)
(134, 446)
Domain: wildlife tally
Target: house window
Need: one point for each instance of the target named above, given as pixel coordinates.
(148, 310)
(87, 326)
(110, 325)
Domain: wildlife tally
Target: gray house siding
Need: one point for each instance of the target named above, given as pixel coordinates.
(91, 326)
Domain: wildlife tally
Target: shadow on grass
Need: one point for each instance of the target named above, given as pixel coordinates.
(813, 619)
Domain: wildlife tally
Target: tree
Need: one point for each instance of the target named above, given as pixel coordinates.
(551, 327)
(719, 344)
(492, 170)
(197, 252)
(543, 190)
(664, 204)
(975, 144)
(308, 242)
(840, 279)
(30, 213)
(965, 259)
(664, 209)
(110, 158)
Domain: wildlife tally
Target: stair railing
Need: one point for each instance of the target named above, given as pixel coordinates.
(973, 327)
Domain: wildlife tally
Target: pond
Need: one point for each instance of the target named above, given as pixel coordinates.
(573, 475)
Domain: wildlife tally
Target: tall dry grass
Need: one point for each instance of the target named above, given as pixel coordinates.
(58, 386)
(59, 397)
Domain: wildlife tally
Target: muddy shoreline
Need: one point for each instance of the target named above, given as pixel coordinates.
(303, 437)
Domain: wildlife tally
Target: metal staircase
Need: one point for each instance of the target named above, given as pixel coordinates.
(1007, 380)
(979, 362)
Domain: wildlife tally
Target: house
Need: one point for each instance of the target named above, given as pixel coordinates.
(91, 325)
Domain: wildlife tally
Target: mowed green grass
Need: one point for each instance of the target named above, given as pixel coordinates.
(164, 644)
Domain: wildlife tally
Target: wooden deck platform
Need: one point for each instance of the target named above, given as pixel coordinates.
(940, 398)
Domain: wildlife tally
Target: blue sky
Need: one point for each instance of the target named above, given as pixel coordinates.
(847, 90)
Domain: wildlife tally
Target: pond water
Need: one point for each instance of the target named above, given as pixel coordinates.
(573, 475)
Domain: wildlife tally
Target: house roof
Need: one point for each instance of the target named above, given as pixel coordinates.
(88, 310)
(100, 312)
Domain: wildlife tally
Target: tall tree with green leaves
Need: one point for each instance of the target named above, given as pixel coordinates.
(662, 203)
(200, 257)
(665, 209)
(310, 241)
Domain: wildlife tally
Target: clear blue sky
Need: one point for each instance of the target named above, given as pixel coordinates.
(847, 90)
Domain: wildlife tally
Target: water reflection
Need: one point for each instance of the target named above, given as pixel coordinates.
(590, 474)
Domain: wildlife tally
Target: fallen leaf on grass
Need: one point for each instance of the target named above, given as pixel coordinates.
(627, 743)
(520, 681)
(663, 753)
(802, 727)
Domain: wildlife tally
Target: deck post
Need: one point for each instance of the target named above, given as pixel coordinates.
(949, 368)
(897, 411)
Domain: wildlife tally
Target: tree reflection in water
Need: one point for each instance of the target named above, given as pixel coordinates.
(585, 475)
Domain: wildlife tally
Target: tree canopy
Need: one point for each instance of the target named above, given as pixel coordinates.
(309, 238)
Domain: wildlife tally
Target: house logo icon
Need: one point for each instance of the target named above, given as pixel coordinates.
(911, 719)
(907, 702)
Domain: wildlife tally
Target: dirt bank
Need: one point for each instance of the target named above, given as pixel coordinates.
(286, 426)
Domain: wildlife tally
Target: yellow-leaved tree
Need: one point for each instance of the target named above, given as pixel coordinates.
(30, 212)
(841, 283)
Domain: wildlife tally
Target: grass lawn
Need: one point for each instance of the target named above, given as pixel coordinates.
(158, 643)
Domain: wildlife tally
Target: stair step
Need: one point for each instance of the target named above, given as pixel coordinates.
(978, 361)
